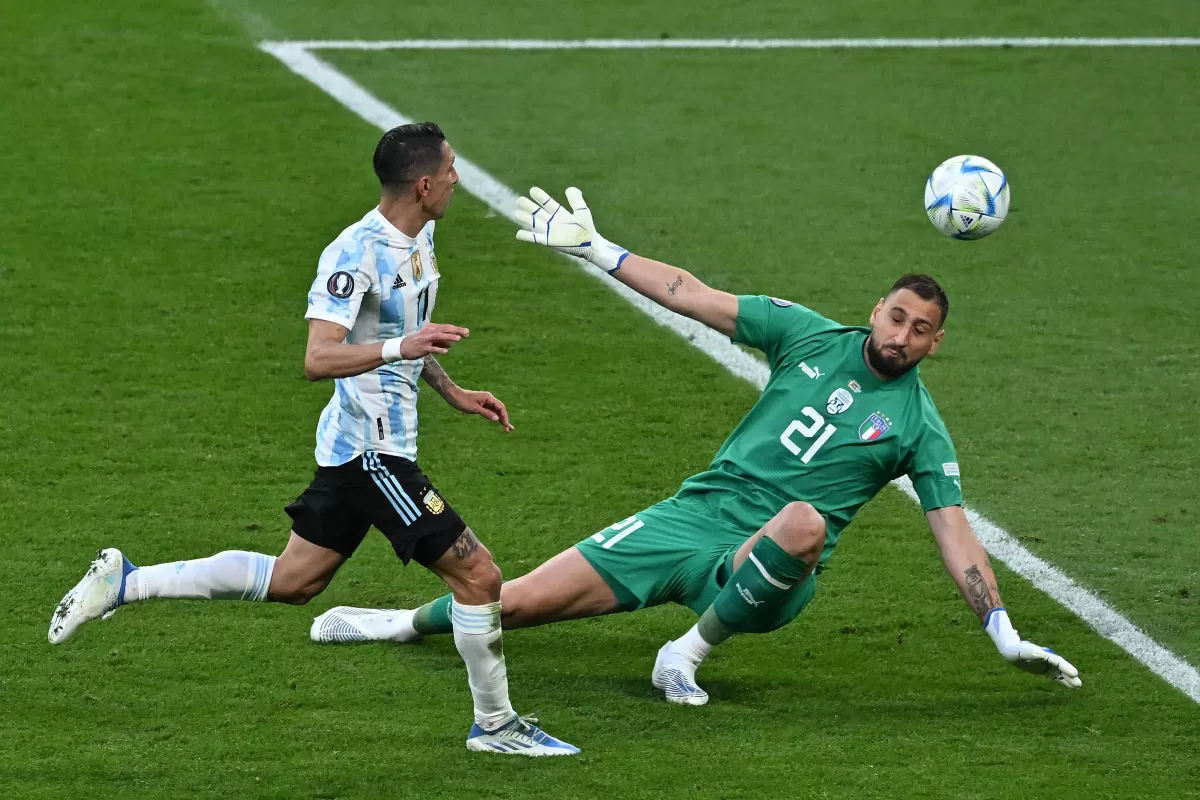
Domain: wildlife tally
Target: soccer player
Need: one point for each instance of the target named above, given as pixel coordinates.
(741, 543)
(368, 311)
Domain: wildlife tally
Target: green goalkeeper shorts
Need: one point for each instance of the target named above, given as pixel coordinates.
(671, 554)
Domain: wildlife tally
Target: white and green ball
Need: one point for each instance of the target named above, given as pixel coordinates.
(966, 197)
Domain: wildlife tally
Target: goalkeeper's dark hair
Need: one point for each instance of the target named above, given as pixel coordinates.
(926, 288)
(408, 153)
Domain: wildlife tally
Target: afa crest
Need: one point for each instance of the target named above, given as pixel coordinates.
(418, 268)
(434, 503)
(433, 263)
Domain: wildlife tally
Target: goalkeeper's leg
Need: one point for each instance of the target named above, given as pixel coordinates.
(772, 574)
(565, 587)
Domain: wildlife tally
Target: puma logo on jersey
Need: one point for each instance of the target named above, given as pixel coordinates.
(812, 372)
(749, 598)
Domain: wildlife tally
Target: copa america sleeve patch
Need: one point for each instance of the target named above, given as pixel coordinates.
(341, 284)
(782, 303)
(951, 470)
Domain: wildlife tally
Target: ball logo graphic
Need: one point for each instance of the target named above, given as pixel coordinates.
(341, 284)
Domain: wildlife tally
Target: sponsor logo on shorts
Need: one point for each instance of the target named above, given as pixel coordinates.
(839, 401)
(434, 503)
(951, 469)
(418, 270)
(341, 284)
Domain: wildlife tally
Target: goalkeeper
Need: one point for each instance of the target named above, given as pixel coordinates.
(741, 544)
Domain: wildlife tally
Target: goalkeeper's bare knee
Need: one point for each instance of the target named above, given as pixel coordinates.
(800, 530)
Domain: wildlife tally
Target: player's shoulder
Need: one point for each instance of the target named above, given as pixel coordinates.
(786, 311)
(351, 249)
(923, 411)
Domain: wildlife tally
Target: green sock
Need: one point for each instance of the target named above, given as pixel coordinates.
(434, 617)
(767, 576)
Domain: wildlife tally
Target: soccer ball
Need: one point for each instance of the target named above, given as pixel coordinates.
(966, 197)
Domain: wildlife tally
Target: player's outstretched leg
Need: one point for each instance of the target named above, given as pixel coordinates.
(768, 570)
(111, 581)
(565, 587)
(475, 580)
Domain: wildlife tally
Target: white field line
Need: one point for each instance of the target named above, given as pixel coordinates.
(1001, 544)
(735, 44)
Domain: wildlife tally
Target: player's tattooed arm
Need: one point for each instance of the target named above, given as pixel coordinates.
(436, 377)
(468, 401)
(979, 594)
(965, 559)
(673, 288)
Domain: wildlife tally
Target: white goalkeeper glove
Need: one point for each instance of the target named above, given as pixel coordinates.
(545, 222)
(1027, 655)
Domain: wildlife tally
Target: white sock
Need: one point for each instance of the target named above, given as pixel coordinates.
(692, 646)
(232, 575)
(477, 637)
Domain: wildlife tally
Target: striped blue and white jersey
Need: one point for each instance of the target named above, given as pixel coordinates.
(379, 284)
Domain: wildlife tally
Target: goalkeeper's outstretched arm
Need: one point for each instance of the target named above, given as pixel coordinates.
(967, 562)
(680, 291)
(545, 222)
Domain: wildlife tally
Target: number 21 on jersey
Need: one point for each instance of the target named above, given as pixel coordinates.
(808, 429)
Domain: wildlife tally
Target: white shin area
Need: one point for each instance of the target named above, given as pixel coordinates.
(231, 575)
(477, 636)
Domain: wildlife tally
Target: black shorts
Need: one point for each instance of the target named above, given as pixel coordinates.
(389, 492)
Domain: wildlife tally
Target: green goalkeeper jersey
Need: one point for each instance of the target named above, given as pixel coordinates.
(826, 430)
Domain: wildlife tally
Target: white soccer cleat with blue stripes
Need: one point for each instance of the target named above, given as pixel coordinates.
(520, 737)
(675, 674)
(97, 595)
(348, 624)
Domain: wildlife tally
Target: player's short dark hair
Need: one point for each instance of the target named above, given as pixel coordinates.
(926, 288)
(407, 153)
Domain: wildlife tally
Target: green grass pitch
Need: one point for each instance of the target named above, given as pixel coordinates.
(165, 189)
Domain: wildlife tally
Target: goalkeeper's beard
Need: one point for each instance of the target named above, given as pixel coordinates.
(884, 365)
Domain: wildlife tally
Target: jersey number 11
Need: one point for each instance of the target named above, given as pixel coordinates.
(807, 430)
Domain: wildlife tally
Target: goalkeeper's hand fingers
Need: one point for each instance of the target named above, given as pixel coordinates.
(579, 208)
(548, 203)
(1042, 661)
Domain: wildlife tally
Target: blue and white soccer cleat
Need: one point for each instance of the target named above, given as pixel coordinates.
(97, 595)
(520, 737)
(675, 674)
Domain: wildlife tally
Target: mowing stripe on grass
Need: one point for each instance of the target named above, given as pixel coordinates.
(1001, 544)
(737, 44)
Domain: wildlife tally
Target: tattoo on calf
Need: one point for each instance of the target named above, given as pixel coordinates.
(979, 595)
(466, 544)
(673, 288)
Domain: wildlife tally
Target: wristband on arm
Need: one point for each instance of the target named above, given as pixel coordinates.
(391, 350)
